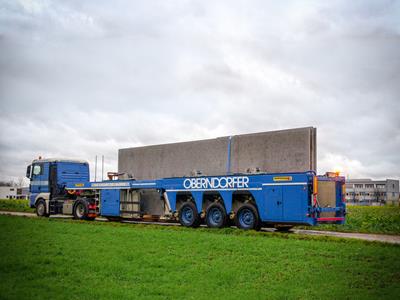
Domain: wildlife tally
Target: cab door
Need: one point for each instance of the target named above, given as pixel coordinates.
(40, 178)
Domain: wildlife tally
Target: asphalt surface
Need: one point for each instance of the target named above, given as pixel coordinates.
(384, 238)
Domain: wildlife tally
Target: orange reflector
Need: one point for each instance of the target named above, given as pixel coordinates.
(315, 185)
(344, 193)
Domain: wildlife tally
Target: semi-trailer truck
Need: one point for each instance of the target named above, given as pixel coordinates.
(248, 200)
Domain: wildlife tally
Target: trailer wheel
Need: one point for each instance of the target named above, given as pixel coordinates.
(41, 209)
(216, 216)
(247, 217)
(80, 210)
(188, 215)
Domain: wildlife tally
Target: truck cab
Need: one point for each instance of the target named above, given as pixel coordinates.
(49, 177)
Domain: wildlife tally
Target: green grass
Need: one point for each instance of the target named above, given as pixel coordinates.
(63, 259)
(15, 205)
(368, 219)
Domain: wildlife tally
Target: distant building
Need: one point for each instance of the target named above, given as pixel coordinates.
(8, 192)
(372, 192)
(12, 192)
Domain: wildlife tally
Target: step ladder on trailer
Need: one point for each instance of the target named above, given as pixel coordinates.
(130, 204)
(97, 201)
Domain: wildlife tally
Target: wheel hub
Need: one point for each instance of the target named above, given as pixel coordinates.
(215, 216)
(80, 211)
(187, 215)
(246, 218)
(40, 209)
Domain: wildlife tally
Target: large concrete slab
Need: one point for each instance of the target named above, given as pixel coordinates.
(281, 151)
(173, 160)
(292, 150)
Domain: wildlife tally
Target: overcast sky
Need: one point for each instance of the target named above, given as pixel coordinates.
(80, 78)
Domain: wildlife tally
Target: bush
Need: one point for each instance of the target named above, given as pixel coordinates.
(15, 205)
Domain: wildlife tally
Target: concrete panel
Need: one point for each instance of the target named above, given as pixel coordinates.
(281, 151)
(174, 160)
(292, 150)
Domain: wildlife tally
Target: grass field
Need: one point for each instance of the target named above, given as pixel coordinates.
(369, 219)
(64, 259)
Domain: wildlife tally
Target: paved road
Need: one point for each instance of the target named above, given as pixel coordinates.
(384, 238)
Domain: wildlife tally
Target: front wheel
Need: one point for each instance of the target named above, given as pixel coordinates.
(188, 215)
(41, 210)
(247, 217)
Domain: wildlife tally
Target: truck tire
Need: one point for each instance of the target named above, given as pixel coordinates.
(216, 216)
(41, 210)
(80, 210)
(188, 215)
(247, 217)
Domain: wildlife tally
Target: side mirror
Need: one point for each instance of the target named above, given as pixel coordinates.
(28, 171)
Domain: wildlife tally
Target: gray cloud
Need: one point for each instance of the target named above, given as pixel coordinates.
(84, 78)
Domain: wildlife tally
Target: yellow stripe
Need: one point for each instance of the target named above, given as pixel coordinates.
(283, 178)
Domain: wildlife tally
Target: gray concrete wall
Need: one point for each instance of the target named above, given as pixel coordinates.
(292, 150)
(173, 160)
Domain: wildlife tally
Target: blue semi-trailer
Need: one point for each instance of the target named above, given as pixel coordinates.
(251, 201)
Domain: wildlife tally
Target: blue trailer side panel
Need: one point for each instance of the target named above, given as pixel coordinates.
(110, 200)
(294, 202)
(273, 200)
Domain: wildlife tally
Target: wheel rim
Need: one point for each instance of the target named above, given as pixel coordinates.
(215, 216)
(187, 215)
(80, 210)
(40, 209)
(246, 218)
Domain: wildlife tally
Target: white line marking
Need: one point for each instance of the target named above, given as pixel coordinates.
(200, 190)
(40, 182)
(287, 183)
